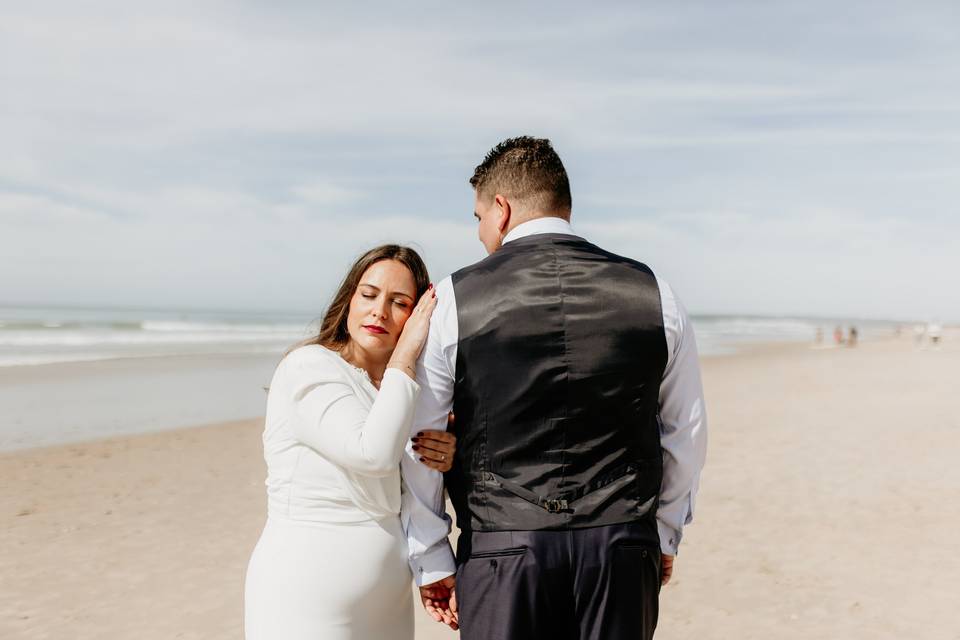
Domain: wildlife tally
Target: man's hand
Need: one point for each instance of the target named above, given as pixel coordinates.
(440, 601)
(666, 568)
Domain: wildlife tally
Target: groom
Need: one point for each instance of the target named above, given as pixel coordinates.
(574, 379)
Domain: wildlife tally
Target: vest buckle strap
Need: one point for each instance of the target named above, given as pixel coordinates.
(559, 505)
(555, 506)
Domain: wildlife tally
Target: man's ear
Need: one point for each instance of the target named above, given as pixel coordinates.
(503, 210)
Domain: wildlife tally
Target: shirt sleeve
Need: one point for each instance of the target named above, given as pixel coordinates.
(330, 418)
(683, 424)
(422, 511)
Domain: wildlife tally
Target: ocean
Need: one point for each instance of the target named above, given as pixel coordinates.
(71, 374)
(48, 335)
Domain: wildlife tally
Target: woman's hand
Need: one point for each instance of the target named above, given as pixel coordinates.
(435, 448)
(414, 333)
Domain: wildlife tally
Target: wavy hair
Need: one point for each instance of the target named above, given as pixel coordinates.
(333, 332)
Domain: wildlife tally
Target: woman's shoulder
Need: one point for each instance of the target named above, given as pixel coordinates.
(309, 367)
(313, 357)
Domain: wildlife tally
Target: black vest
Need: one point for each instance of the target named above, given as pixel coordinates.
(560, 357)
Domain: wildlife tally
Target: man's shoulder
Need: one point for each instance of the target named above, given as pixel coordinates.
(580, 248)
(485, 264)
(614, 257)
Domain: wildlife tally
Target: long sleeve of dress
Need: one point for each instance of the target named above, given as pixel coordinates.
(331, 419)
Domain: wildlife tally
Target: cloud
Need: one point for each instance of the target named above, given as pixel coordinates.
(23, 209)
(199, 155)
(326, 194)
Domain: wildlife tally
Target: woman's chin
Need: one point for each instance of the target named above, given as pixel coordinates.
(374, 344)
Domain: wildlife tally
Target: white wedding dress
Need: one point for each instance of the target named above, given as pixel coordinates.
(331, 563)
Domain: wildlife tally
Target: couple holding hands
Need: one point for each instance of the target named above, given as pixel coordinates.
(572, 460)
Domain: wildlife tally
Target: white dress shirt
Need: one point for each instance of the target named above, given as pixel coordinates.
(683, 430)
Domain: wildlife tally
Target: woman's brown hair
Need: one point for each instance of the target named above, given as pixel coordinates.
(333, 329)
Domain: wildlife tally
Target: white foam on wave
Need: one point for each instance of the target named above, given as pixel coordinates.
(750, 329)
(29, 340)
(93, 339)
(37, 359)
(34, 336)
(173, 326)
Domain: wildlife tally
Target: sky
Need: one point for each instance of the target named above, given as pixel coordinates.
(763, 157)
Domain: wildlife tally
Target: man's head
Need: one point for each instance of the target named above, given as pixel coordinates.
(519, 180)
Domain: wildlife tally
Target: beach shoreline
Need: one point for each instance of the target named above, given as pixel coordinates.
(74, 402)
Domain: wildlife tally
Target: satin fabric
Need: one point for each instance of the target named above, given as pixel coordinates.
(560, 356)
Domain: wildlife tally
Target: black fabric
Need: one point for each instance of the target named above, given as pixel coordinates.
(560, 356)
(597, 583)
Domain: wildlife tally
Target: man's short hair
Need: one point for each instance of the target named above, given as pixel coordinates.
(526, 170)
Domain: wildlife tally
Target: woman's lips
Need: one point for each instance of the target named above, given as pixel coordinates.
(375, 329)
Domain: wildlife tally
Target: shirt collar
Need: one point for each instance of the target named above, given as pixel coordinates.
(539, 225)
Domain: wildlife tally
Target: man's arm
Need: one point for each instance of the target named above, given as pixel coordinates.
(683, 425)
(422, 511)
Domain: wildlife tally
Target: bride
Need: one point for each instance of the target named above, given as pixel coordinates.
(331, 563)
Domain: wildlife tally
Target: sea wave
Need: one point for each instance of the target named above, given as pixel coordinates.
(41, 336)
(92, 339)
(66, 357)
(168, 326)
(36, 337)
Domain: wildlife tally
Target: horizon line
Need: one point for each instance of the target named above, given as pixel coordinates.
(318, 313)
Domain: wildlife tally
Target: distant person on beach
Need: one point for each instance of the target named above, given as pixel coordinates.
(574, 379)
(935, 331)
(331, 563)
(854, 335)
(919, 333)
(838, 335)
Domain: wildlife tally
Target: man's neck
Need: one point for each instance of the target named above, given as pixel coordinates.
(538, 224)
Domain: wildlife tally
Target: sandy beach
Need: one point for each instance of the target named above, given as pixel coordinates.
(828, 509)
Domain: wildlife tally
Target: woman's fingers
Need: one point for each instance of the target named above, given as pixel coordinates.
(434, 460)
(437, 439)
(430, 454)
(442, 467)
(415, 330)
(445, 448)
(435, 448)
(427, 301)
(441, 436)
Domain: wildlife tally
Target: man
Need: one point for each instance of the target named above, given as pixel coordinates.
(573, 376)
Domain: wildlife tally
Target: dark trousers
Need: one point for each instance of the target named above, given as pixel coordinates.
(599, 583)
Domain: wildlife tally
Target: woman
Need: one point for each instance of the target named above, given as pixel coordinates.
(331, 563)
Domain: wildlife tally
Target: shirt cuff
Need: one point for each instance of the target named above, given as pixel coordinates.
(669, 538)
(436, 563)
